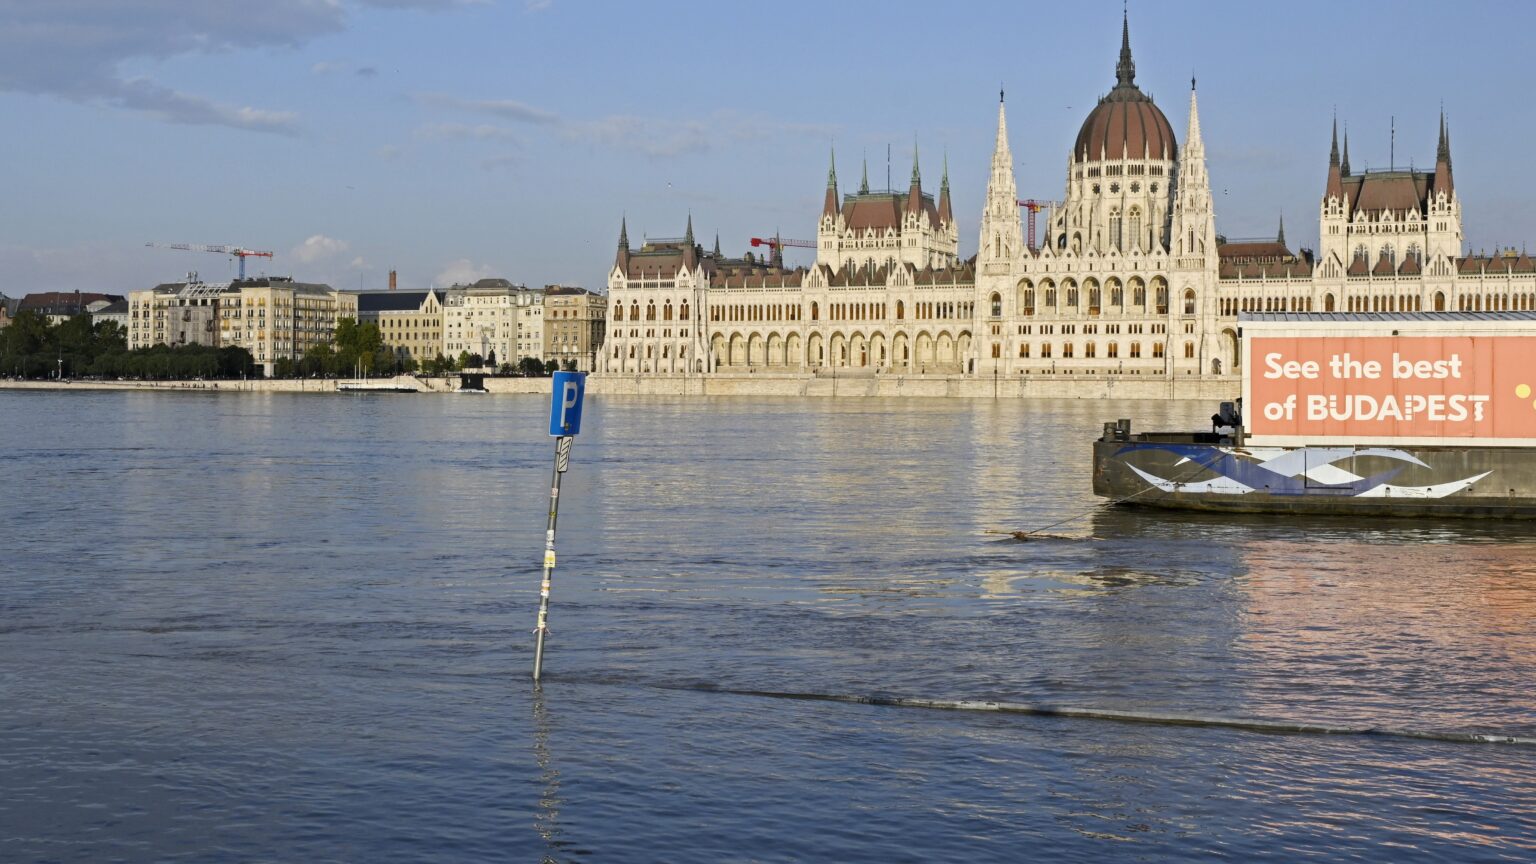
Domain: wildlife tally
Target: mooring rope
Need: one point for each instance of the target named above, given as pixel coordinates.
(1140, 717)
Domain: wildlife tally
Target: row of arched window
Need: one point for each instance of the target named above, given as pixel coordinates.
(1068, 350)
(650, 311)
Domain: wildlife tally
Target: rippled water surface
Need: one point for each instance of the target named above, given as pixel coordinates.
(298, 628)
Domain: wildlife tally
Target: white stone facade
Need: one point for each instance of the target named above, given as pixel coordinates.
(1130, 278)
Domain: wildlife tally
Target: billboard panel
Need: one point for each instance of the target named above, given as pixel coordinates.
(1366, 389)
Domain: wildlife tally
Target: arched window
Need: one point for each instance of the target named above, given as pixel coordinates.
(1045, 350)
(1189, 350)
(1114, 228)
(997, 305)
(1162, 298)
(901, 310)
(1094, 298)
(1135, 226)
(666, 311)
(1071, 288)
(1327, 302)
(1116, 294)
(1113, 350)
(815, 311)
(634, 310)
(1439, 301)
(1135, 350)
(682, 314)
(1157, 349)
(1138, 294)
(618, 311)
(1089, 350)
(1189, 301)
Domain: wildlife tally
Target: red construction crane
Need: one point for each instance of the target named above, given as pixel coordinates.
(236, 251)
(779, 243)
(1034, 206)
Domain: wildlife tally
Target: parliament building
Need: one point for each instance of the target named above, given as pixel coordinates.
(1129, 276)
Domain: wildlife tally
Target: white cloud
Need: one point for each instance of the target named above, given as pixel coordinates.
(318, 246)
(465, 131)
(461, 272)
(537, 5)
(388, 153)
(509, 109)
(358, 264)
(77, 50)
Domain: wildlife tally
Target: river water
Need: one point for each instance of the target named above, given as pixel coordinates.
(298, 628)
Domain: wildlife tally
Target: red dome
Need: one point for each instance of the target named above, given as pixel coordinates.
(1125, 125)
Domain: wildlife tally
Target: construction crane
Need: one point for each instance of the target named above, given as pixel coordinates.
(236, 251)
(779, 243)
(1033, 206)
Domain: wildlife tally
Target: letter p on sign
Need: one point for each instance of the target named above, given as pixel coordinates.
(565, 403)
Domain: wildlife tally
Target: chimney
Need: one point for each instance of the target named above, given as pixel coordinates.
(392, 280)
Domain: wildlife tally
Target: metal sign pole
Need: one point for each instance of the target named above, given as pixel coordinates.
(566, 391)
(562, 462)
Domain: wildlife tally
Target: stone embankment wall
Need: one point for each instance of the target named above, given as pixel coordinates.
(1211, 388)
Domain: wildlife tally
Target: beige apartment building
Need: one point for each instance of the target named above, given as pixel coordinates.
(411, 322)
(274, 318)
(574, 321)
(495, 319)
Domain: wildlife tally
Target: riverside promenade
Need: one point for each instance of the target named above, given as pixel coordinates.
(848, 384)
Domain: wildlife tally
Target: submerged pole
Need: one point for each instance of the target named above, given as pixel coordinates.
(562, 461)
(566, 391)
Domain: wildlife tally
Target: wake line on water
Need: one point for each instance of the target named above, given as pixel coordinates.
(1140, 717)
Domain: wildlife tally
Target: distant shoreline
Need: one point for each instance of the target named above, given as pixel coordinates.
(854, 385)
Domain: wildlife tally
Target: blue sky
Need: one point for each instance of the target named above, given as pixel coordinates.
(452, 139)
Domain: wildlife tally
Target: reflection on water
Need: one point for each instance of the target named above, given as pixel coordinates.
(291, 628)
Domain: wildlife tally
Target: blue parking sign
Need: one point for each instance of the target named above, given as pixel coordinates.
(565, 403)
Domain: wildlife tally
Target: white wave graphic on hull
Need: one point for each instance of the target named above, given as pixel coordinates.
(1214, 486)
(1439, 490)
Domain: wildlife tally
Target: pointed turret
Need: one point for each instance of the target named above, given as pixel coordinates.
(1194, 223)
(829, 204)
(1280, 235)
(946, 215)
(915, 192)
(1001, 228)
(690, 248)
(622, 259)
(717, 246)
(1344, 167)
(1335, 187)
(1444, 182)
(864, 181)
(1125, 70)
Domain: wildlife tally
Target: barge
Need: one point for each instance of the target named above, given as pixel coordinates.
(1400, 414)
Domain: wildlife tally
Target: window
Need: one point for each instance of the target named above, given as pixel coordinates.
(1112, 350)
(1135, 221)
(1189, 301)
(1189, 350)
(1157, 349)
(1135, 350)
(997, 305)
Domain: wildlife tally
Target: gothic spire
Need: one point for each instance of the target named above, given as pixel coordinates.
(946, 215)
(829, 203)
(1280, 237)
(1344, 167)
(864, 181)
(1443, 180)
(688, 237)
(915, 195)
(1125, 70)
(717, 245)
(623, 232)
(1335, 188)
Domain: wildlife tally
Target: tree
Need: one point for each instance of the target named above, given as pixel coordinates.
(551, 367)
(530, 367)
(464, 357)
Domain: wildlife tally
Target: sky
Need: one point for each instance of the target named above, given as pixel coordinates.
(455, 139)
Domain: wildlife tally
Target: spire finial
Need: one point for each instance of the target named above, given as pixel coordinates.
(1125, 70)
(1443, 152)
(1345, 169)
(624, 232)
(944, 180)
(999, 92)
(1280, 237)
(864, 181)
(1333, 151)
(688, 238)
(832, 170)
(717, 245)
(916, 176)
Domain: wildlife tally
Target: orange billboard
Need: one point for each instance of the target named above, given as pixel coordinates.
(1378, 388)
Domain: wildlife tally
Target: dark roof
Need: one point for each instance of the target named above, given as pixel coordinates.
(1389, 191)
(391, 301)
(559, 290)
(1125, 124)
(493, 284)
(118, 307)
(881, 210)
(62, 302)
